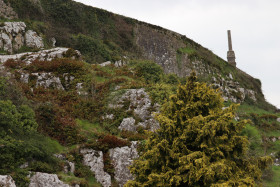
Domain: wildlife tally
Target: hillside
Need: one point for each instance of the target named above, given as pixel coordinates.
(89, 100)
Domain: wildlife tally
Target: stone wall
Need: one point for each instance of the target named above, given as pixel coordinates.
(7, 11)
(161, 47)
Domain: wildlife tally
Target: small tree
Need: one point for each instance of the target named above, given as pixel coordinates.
(198, 144)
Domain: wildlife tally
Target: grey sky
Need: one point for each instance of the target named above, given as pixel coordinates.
(255, 27)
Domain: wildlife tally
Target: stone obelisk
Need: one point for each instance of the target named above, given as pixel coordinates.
(230, 53)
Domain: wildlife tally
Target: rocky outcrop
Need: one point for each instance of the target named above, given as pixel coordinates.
(7, 181)
(13, 36)
(119, 63)
(122, 158)
(45, 180)
(231, 90)
(128, 124)
(44, 55)
(94, 159)
(161, 47)
(141, 106)
(48, 80)
(32, 40)
(6, 11)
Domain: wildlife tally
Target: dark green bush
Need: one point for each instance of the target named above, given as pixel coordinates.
(149, 71)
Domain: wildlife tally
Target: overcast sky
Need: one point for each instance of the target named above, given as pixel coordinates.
(254, 25)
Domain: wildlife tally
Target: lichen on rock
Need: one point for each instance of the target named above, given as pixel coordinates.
(94, 159)
(122, 158)
(7, 181)
(45, 180)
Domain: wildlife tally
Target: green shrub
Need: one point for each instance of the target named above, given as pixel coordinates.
(255, 139)
(149, 71)
(159, 93)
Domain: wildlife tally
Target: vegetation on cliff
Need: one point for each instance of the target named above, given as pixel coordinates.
(43, 121)
(198, 144)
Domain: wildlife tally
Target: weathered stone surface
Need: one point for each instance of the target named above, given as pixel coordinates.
(7, 181)
(33, 40)
(18, 42)
(105, 63)
(44, 55)
(122, 158)
(128, 124)
(14, 28)
(53, 40)
(13, 37)
(231, 90)
(161, 47)
(6, 11)
(94, 159)
(278, 119)
(7, 43)
(48, 80)
(139, 102)
(46, 180)
(141, 105)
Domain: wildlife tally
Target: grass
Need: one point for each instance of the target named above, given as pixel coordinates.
(89, 129)
(275, 181)
(246, 108)
(71, 180)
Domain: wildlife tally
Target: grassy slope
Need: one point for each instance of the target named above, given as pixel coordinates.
(101, 36)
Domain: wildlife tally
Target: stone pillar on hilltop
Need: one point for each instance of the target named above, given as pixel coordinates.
(230, 53)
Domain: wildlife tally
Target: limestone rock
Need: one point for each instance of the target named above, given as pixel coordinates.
(139, 101)
(33, 40)
(18, 42)
(141, 105)
(6, 11)
(44, 55)
(48, 80)
(46, 180)
(94, 159)
(7, 43)
(53, 40)
(278, 119)
(14, 28)
(105, 63)
(7, 181)
(128, 124)
(122, 158)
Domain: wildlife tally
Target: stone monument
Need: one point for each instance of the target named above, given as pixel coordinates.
(230, 53)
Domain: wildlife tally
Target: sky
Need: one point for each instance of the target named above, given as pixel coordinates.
(254, 25)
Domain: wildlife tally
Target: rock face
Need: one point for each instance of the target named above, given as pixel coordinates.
(13, 36)
(44, 55)
(142, 108)
(231, 90)
(94, 159)
(161, 47)
(121, 159)
(48, 80)
(46, 180)
(7, 181)
(166, 48)
(128, 124)
(7, 11)
(32, 40)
